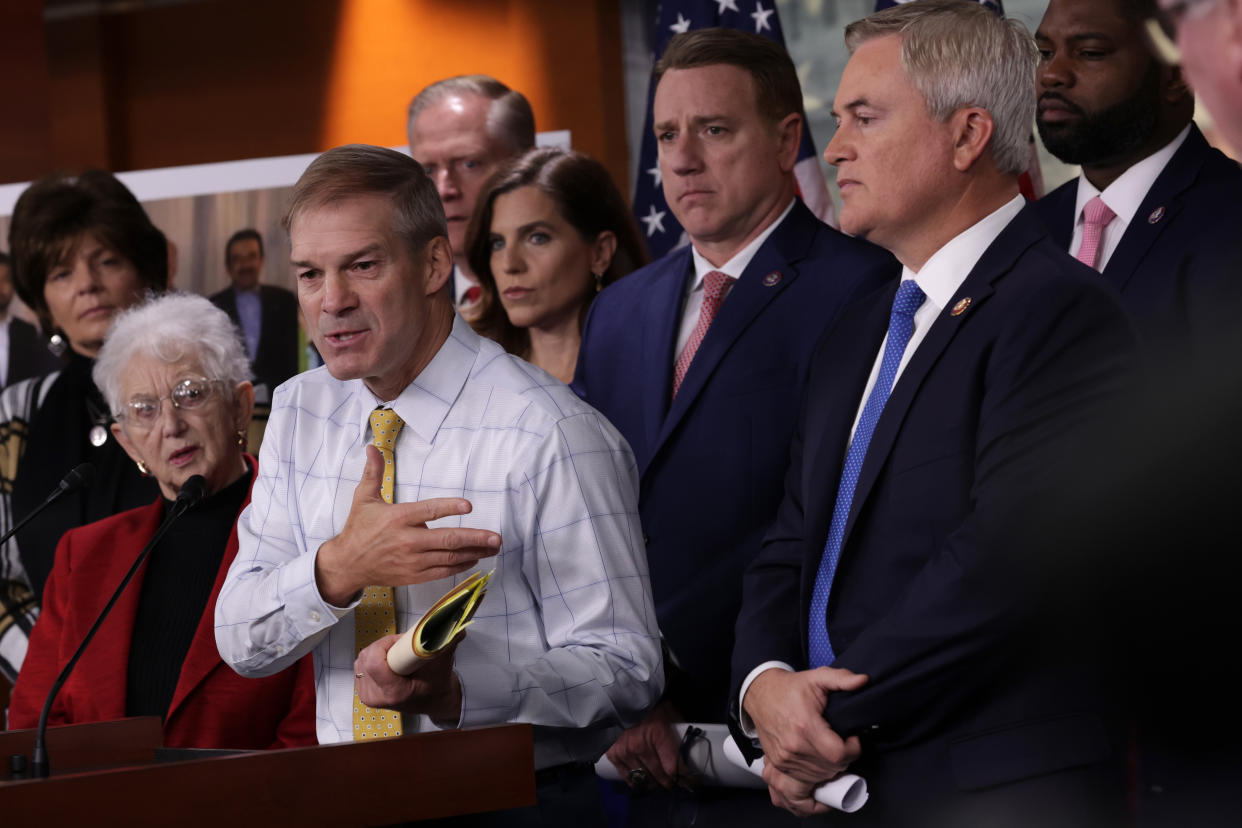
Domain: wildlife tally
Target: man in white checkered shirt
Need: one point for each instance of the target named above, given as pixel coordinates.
(495, 458)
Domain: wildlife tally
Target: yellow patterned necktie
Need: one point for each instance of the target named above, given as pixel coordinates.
(375, 616)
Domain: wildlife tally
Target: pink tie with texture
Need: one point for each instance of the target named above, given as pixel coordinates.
(1096, 215)
(715, 286)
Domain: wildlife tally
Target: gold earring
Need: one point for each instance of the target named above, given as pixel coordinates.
(599, 281)
(241, 439)
(142, 469)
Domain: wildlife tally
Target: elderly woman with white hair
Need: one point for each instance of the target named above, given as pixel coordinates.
(174, 373)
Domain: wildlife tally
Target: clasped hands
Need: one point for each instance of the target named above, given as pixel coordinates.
(801, 751)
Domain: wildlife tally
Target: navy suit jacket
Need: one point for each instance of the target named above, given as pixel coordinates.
(712, 461)
(277, 357)
(1177, 266)
(932, 596)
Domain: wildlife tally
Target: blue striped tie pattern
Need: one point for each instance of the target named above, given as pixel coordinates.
(900, 327)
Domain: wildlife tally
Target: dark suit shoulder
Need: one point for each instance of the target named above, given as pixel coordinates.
(1044, 274)
(1058, 203)
(275, 293)
(636, 285)
(828, 241)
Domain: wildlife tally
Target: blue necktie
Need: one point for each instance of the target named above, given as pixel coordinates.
(900, 327)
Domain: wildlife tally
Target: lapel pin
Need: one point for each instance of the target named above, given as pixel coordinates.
(961, 306)
(772, 278)
(1156, 215)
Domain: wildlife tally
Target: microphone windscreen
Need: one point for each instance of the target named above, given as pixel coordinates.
(80, 477)
(192, 490)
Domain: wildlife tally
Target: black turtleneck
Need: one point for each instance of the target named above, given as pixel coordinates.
(180, 574)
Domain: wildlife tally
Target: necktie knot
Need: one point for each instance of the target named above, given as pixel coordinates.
(1097, 213)
(385, 424)
(1095, 216)
(715, 284)
(909, 299)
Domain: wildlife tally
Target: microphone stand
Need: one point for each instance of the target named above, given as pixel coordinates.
(79, 477)
(191, 492)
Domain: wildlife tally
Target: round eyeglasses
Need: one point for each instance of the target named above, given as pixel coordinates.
(188, 394)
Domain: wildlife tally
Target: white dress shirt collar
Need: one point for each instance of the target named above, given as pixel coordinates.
(737, 265)
(1125, 194)
(424, 403)
(948, 267)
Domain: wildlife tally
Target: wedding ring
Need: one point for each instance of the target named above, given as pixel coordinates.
(360, 675)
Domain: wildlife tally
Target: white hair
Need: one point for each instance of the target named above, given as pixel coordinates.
(958, 53)
(171, 327)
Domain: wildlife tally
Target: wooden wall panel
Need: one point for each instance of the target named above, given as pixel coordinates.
(219, 80)
(23, 91)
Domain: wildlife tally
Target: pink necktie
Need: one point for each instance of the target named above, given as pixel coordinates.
(1096, 216)
(715, 286)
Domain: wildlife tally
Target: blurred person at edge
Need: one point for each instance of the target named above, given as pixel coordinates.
(1208, 36)
(178, 381)
(461, 129)
(83, 250)
(550, 231)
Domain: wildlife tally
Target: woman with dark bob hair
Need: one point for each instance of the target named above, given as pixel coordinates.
(83, 250)
(550, 231)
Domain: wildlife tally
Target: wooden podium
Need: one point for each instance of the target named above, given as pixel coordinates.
(422, 776)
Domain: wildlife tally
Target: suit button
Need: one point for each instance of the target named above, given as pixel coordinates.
(646, 540)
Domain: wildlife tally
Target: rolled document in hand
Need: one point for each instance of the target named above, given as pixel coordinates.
(847, 793)
(439, 626)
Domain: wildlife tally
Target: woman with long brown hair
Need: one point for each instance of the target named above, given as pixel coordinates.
(549, 233)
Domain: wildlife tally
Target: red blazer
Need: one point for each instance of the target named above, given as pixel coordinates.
(212, 707)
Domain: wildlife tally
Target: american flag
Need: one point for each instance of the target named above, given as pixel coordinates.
(1031, 181)
(660, 227)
